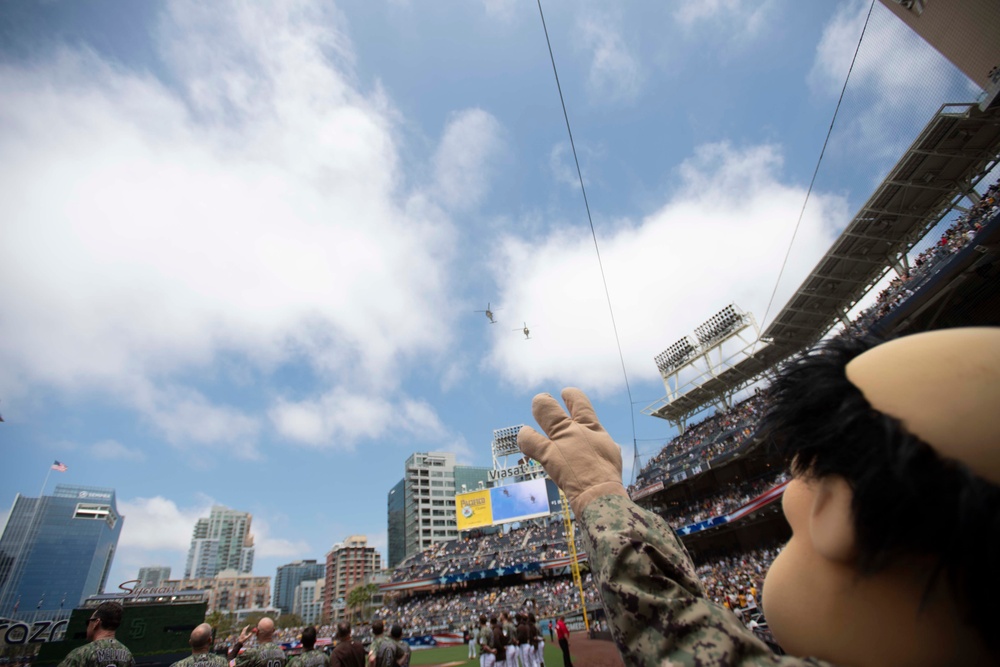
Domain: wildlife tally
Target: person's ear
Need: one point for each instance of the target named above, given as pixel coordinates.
(831, 521)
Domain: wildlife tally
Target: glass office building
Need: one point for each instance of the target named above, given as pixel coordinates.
(288, 577)
(397, 523)
(57, 550)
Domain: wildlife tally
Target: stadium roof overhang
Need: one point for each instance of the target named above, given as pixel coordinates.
(952, 154)
(959, 146)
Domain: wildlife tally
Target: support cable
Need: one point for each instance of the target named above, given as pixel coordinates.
(593, 233)
(829, 131)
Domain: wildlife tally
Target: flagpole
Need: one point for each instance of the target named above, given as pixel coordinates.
(45, 483)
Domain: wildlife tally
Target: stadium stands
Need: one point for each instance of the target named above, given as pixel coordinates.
(443, 610)
(534, 542)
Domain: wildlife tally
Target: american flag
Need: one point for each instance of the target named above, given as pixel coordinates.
(61, 467)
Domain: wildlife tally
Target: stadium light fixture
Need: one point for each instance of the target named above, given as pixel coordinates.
(676, 354)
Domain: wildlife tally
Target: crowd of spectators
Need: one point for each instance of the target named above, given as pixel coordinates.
(524, 543)
(928, 262)
(718, 434)
(441, 611)
(735, 580)
(688, 511)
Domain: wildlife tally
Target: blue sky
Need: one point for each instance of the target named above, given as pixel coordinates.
(242, 245)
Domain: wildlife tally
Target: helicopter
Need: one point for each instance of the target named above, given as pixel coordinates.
(525, 331)
(488, 312)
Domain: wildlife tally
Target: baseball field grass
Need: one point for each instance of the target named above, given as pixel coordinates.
(458, 656)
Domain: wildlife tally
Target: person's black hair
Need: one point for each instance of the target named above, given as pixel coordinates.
(110, 615)
(531, 618)
(482, 619)
(907, 500)
(493, 620)
(396, 632)
(343, 630)
(378, 627)
(309, 638)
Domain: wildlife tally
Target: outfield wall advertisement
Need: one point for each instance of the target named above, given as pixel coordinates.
(502, 504)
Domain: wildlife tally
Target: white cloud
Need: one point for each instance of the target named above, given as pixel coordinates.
(719, 239)
(470, 141)
(256, 214)
(268, 546)
(185, 417)
(337, 419)
(340, 418)
(115, 451)
(159, 524)
(897, 77)
(739, 18)
(500, 9)
(615, 73)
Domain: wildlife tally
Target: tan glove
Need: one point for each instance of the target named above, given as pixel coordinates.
(581, 458)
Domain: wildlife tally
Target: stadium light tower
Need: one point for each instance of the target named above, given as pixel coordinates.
(505, 446)
(694, 362)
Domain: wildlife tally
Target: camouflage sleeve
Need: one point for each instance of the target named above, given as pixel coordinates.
(76, 658)
(654, 601)
(247, 659)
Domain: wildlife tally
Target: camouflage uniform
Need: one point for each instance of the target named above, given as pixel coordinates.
(313, 658)
(264, 655)
(100, 653)
(484, 638)
(656, 607)
(404, 651)
(202, 660)
(379, 642)
(376, 642)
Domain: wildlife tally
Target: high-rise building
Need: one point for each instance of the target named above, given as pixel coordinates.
(220, 542)
(308, 600)
(421, 506)
(347, 565)
(291, 575)
(153, 576)
(57, 550)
